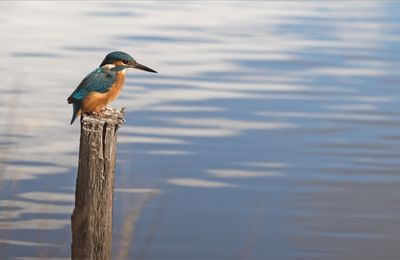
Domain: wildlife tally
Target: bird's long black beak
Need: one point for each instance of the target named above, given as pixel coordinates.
(142, 67)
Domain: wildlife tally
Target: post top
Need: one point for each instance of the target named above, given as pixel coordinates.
(112, 116)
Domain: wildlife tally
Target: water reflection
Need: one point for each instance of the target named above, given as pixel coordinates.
(233, 173)
(188, 182)
(269, 134)
(26, 243)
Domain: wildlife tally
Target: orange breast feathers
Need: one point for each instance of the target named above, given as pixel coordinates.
(95, 101)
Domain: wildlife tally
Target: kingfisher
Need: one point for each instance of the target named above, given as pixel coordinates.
(104, 84)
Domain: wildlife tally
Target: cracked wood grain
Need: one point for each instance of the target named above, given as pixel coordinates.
(91, 220)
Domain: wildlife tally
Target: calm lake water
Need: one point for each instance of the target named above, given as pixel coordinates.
(272, 130)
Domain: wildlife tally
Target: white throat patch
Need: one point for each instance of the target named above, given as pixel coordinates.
(108, 66)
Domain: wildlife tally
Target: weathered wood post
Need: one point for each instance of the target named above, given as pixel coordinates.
(91, 220)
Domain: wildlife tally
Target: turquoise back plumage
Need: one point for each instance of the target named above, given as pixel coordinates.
(100, 80)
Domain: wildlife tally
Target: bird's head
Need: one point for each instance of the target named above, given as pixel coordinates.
(119, 58)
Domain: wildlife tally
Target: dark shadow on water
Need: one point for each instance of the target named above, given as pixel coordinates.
(166, 39)
(87, 49)
(113, 14)
(30, 163)
(35, 55)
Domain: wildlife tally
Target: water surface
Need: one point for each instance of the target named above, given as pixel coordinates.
(270, 132)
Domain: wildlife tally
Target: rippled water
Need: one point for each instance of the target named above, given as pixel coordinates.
(271, 130)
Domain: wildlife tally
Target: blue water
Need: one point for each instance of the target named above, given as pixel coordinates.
(270, 132)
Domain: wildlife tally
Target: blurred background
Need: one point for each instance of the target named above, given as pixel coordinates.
(270, 132)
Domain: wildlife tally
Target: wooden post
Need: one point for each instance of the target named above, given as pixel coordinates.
(91, 220)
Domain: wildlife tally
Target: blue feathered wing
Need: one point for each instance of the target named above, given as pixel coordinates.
(99, 80)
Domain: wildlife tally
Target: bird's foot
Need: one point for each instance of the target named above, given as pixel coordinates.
(91, 113)
(95, 113)
(103, 111)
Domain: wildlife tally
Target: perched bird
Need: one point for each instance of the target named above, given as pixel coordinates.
(104, 84)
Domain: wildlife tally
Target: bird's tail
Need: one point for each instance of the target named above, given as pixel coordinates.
(76, 111)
